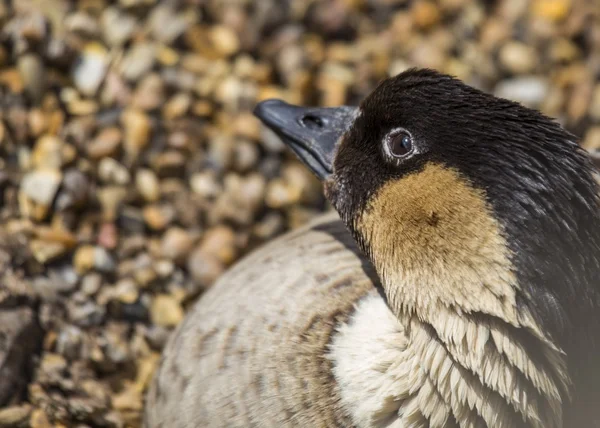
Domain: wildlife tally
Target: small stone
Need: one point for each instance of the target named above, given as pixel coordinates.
(118, 27)
(246, 156)
(68, 343)
(591, 141)
(80, 107)
(166, 311)
(90, 69)
(111, 171)
(220, 241)
(47, 153)
(82, 23)
(138, 61)
(225, 40)
(84, 259)
(106, 143)
(177, 106)
(594, 108)
(164, 268)
(281, 194)
(552, 10)
(108, 236)
(147, 185)
(425, 14)
(33, 73)
(269, 226)
(111, 198)
(220, 152)
(170, 164)
(137, 131)
(44, 251)
(85, 314)
(166, 24)
(38, 189)
(74, 191)
(518, 58)
(205, 184)
(39, 419)
(88, 257)
(167, 56)
(150, 93)
(126, 291)
(204, 268)
(176, 244)
(158, 217)
(91, 283)
(15, 416)
(156, 336)
(180, 140)
(529, 90)
(144, 277)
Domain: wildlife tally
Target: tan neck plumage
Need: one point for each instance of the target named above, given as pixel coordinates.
(449, 280)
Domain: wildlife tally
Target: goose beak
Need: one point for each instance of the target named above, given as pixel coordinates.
(312, 133)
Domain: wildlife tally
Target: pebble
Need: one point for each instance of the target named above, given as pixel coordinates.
(126, 291)
(166, 24)
(150, 93)
(205, 184)
(69, 342)
(47, 153)
(47, 251)
(518, 58)
(158, 217)
(204, 268)
(90, 69)
(148, 185)
(225, 40)
(528, 90)
(117, 27)
(553, 10)
(111, 171)
(177, 106)
(220, 242)
(91, 283)
(246, 156)
(595, 103)
(74, 192)
(425, 14)
(15, 416)
(33, 73)
(137, 131)
(591, 141)
(106, 143)
(38, 189)
(166, 311)
(39, 419)
(88, 257)
(138, 61)
(176, 244)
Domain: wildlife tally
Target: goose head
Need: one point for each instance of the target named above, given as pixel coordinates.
(466, 204)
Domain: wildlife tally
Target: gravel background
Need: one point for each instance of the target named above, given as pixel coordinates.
(132, 172)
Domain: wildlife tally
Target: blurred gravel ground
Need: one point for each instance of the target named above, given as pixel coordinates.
(132, 172)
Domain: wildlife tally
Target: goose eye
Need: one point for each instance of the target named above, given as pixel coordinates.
(400, 144)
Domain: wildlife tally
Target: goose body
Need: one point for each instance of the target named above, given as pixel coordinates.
(458, 287)
(255, 350)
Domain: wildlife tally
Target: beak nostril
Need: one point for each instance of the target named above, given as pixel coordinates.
(311, 121)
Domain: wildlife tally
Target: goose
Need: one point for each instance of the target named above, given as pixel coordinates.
(454, 285)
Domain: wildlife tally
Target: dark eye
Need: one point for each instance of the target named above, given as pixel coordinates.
(400, 144)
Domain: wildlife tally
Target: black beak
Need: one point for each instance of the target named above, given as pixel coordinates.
(312, 133)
